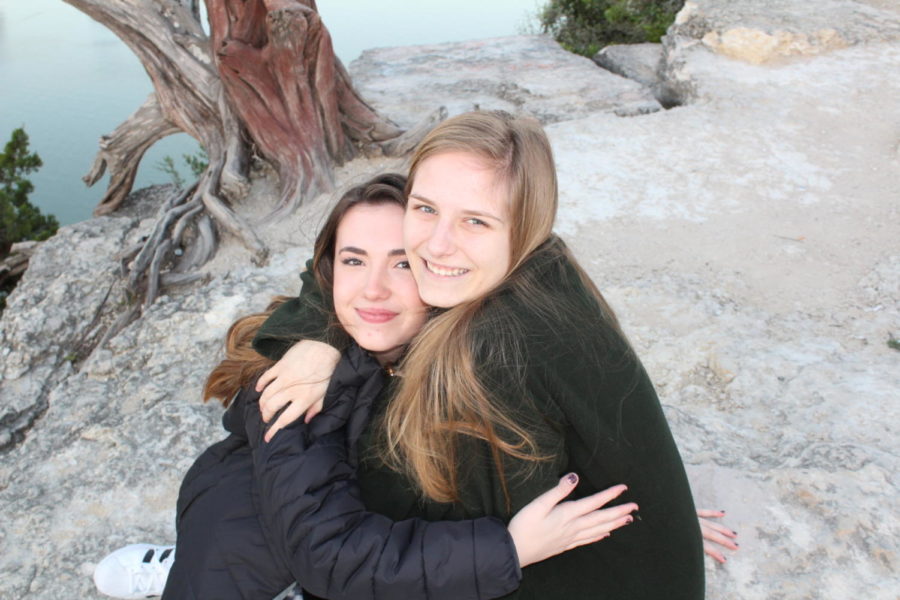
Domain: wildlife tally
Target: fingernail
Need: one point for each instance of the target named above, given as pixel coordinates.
(722, 511)
(734, 532)
(629, 521)
(572, 478)
(736, 544)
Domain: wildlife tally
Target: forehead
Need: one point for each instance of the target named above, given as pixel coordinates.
(372, 225)
(460, 178)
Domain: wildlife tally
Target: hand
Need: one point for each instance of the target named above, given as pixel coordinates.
(547, 526)
(297, 383)
(715, 533)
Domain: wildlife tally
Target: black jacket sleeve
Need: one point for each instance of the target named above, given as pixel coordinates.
(311, 511)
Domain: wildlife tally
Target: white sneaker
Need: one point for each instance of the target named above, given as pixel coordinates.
(134, 572)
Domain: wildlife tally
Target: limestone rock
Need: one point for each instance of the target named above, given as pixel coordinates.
(747, 240)
(640, 62)
(749, 243)
(517, 73)
(760, 31)
(45, 328)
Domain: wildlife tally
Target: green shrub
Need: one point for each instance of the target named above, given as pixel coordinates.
(197, 163)
(586, 26)
(19, 219)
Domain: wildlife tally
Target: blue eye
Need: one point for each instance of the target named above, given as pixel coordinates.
(403, 264)
(425, 209)
(474, 221)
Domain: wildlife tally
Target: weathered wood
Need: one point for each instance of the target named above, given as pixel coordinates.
(121, 152)
(293, 95)
(265, 81)
(272, 82)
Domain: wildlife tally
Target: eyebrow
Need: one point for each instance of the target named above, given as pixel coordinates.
(477, 213)
(361, 252)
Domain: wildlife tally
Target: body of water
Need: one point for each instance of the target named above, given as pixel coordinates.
(68, 80)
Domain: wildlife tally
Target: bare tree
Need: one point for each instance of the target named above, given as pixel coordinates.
(265, 82)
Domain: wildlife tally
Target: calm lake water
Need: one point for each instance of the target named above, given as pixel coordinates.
(69, 80)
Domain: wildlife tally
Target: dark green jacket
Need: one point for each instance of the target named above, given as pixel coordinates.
(569, 377)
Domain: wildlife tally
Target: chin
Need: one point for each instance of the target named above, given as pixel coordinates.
(440, 300)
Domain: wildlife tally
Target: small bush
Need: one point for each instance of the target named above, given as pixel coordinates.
(197, 163)
(586, 26)
(19, 219)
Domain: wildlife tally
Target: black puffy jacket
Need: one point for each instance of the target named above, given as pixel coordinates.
(255, 516)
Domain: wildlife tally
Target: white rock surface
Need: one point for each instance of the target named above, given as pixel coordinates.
(640, 62)
(517, 73)
(749, 241)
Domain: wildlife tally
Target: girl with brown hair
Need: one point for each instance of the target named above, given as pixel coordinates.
(224, 545)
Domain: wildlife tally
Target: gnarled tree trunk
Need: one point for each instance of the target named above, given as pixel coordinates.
(265, 80)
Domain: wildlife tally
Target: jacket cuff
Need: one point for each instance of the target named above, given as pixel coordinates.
(496, 560)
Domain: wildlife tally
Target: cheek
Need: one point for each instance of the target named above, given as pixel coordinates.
(407, 292)
(413, 232)
(342, 295)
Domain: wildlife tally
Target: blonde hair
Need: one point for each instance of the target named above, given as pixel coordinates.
(440, 397)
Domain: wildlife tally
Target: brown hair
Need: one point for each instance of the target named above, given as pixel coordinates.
(242, 364)
(440, 397)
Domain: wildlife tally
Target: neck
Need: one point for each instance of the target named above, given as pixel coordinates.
(388, 357)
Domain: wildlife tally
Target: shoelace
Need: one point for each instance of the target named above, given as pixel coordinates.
(150, 576)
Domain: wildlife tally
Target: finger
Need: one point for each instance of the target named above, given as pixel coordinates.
(591, 503)
(556, 494)
(269, 408)
(718, 527)
(297, 394)
(613, 518)
(710, 550)
(289, 415)
(278, 384)
(716, 537)
(266, 377)
(710, 514)
(314, 410)
(598, 532)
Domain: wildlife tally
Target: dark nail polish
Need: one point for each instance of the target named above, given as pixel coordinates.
(629, 521)
(573, 478)
(734, 532)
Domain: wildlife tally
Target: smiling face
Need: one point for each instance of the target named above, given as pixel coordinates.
(375, 295)
(456, 229)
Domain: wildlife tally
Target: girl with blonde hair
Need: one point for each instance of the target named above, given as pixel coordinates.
(521, 374)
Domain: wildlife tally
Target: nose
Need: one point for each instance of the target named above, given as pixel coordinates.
(441, 242)
(377, 285)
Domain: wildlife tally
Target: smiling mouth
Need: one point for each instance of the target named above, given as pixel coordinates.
(444, 271)
(375, 315)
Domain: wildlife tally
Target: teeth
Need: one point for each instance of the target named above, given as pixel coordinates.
(445, 272)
